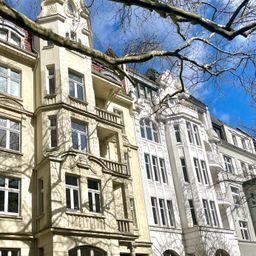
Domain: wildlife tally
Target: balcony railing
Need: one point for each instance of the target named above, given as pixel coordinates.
(124, 226)
(117, 167)
(108, 116)
(214, 161)
(222, 198)
(85, 222)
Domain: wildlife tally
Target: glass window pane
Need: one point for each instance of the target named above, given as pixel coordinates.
(68, 198)
(76, 200)
(2, 138)
(71, 89)
(97, 199)
(13, 202)
(1, 201)
(83, 145)
(3, 84)
(93, 184)
(13, 183)
(14, 125)
(71, 180)
(75, 140)
(3, 34)
(15, 75)
(15, 39)
(90, 202)
(15, 88)
(2, 182)
(14, 141)
(80, 93)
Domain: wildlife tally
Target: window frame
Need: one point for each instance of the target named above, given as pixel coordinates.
(215, 219)
(76, 84)
(50, 80)
(10, 251)
(170, 213)
(196, 135)
(184, 169)
(155, 168)
(79, 134)
(41, 202)
(177, 133)
(229, 167)
(93, 192)
(8, 131)
(6, 189)
(9, 80)
(204, 169)
(148, 130)
(148, 166)
(235, 192)
(154, 207)
(70, 188)
(163, 172)
(244, 230)
(190, 133)
(207, 214)
(198, 170)
(53, 131)
(192, 212)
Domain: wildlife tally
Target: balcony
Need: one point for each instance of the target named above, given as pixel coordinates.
(124, 226)
(215, 163)
(108, 116)
(222, 199)
(117, 168)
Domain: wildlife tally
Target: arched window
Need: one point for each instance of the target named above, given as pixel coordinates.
(71, 8)
(11, 35)
(86, 251)
(149, 130)
(170, 253)
(221, 252)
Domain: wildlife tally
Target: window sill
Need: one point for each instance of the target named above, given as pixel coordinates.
(90, 215)
(11, 96)
(10, 216)
(9, 151)
(78, 100)
(46, 47)
(50, 96)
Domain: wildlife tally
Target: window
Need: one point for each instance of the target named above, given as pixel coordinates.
(236, 195)
(234, 139)
(71, 8)
(190, 134)
(41, 251)
(198, 171)
(228, 164)
(53, 131)
(121, 115)
(86, 250)
(244, 169)
(184, 169)
(94, 196)
(40, 196)
(79, 136)
(149, 130)
(207, 212)
(154, 210)
(145, 92)
(163, 170)
(148, 166)
(133, 211)
(214, 214)
(10, 36)
(9, 252)
(9, 134)
(196, 134)
(244, 143)
(253, 199)
(162, 212)
(76, 86)
(177, 133)
(72, 192)
(155, 168)
(10, 81)
(192, 211)
(170, 213)
(50, 81)
(205, 172)
(244, 230)
(73, 36)
(9, 195)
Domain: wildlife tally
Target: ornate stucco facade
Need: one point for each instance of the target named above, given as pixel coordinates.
(91, 165)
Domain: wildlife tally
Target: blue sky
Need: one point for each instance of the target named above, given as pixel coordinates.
(227, 102)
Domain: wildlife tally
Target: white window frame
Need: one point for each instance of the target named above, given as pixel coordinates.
(234, 138)
(207, 214)
(50, 80)
(155, 213)
(170, 213)
(215, 220)
(9, 37)
(10, 251)
(163, 172)
(8, 131)
(190, 133)
(76, 84)
(71, 190)
(184, 169)
(93, 193)
(80, 134)
(177, 133)
(244, 230)
(197, 135)
(235, 192)
(6, 189)
(244, 144)
(198, 170)
(148, 166)
(53, 131)
(149, 130)
(205, 172)
(162, 210)
(229, 167)
(9, 79)
(155, 169)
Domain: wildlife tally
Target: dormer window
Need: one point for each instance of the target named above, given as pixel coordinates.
(71, 8)
(10, 36)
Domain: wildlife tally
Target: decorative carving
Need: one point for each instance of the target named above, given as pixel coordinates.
(10, 102)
